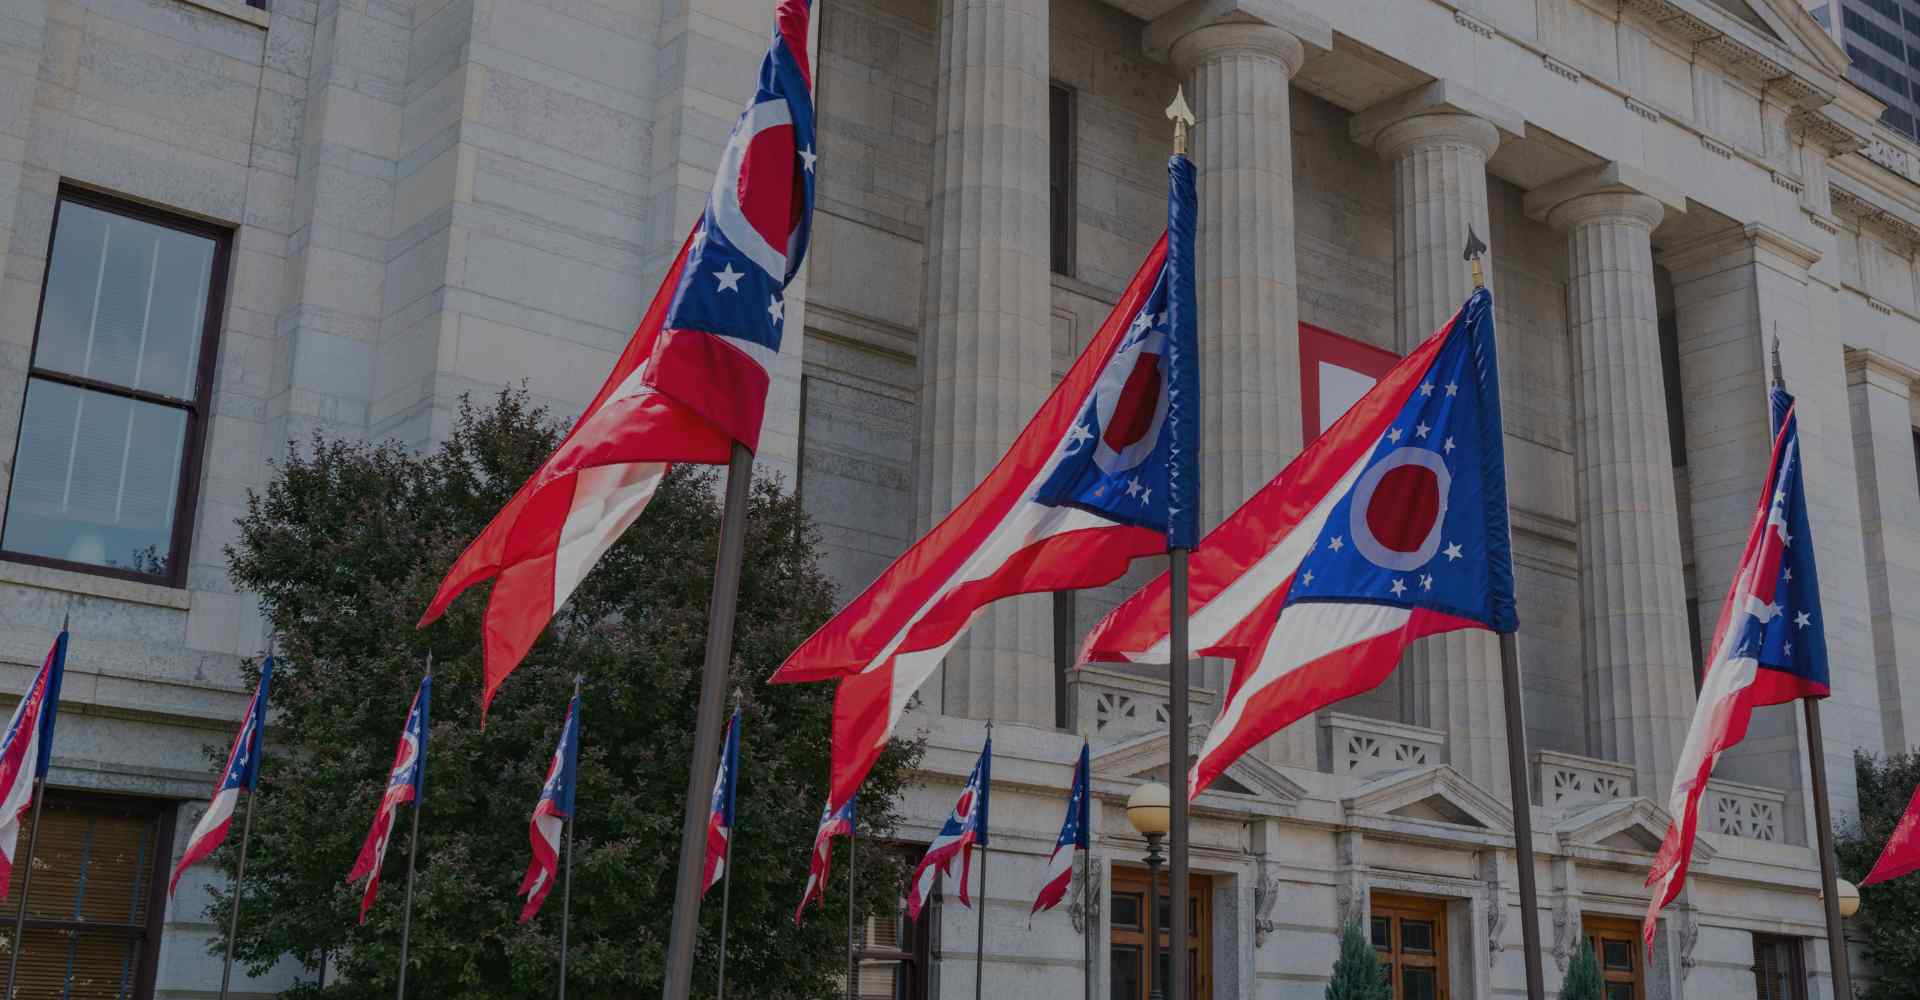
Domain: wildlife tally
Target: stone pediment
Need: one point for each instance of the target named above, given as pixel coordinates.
(1623, 832)
(1143, 757)
(1431, 803)
(1758, 40)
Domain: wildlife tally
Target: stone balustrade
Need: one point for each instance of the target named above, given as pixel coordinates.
(1352, 744)
(1113, 705)
(1735, 810)
(1568, 781)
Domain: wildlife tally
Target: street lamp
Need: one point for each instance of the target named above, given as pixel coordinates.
(1849, 896)
(1150, 810)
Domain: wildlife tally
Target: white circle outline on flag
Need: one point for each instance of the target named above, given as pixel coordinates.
(1106, 395)
(728, 214)
(1363, 539)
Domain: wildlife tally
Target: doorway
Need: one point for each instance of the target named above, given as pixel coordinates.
(1409, 935)
(1128, 972)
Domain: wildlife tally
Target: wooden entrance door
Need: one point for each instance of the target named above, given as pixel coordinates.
(1616, 945)
(1410, 937)
(1128, 972)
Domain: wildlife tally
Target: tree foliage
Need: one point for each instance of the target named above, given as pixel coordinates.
(1890, 911)
(345, 547)
(1583, 975)
(1357, 974)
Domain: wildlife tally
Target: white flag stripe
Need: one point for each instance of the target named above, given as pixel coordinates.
(1212, 621)
(606, 499)
(20, 792)
(1306, 633)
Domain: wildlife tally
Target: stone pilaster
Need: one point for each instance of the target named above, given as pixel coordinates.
(1637, 658)
(986, 351)
(1881, 393)
(1439, 139)
(1237, 73)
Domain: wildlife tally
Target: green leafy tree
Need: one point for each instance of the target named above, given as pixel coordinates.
(1583, 975)
(1357, 974)
(345, 547)
(1890, 911)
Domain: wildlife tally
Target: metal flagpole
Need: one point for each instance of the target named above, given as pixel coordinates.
(706, 732)
(240, 870)
(853, 857)
(1177, 702)
(1086, 911)
(566, 879)
(1516, 756)
(1822, 811)
(26, 877)
(1823, 821)
(980, 908)
(239, 879)
(413, 851)
(726, 881)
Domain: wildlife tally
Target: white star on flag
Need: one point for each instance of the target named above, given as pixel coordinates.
(808, 155)
(1426, 581)
(1398, 587)
(1802, 620)
(1452, 388)
(1307, 579)
(1133, 487)
(1335, 543)
(1421, 428)
(1448, 447)
(1452, 552)
(777, 309)
(729, 278)
(1394, 435)
(1076, 435)
(1426, 388)
(1146, 496)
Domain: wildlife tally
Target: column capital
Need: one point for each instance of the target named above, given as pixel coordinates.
(1613, 190)
(1395, 124)
(1186, 35)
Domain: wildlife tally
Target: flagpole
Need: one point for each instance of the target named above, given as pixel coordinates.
(1823, 813)
(853, 847)
(566, 881)
(726, 872)
(713, 679)
(1521, 793)
(1177, 710)
(26, 877)
(240, 870)
(980, 909)
(413, 851)
(1087, 888)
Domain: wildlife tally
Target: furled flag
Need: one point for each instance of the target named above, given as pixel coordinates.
(1073, 838)
(1901, 856)
(550, 815)
(25, 752)
(243, 771)
(720, 815)
(1389, 527)
(403, 786)
(833, 823)
(1770, 647)
(966, 827)
(692, 381)
(1103, 474)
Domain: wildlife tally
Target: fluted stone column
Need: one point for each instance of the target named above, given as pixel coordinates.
(1236, 75)
(1439, 153)
(1633, 598)
(986, 351)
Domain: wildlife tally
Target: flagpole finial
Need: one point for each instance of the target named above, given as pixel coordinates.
(1475, 249)
(271, 636)
(429, 663)
(1183, 120)
(1778, 380)
(66, 619)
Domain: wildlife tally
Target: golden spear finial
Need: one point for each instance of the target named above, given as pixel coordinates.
(1474, 251)
(1183, 120)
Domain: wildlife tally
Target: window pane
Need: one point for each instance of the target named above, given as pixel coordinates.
(1382, 932)
(884, 980)
(1418, 984)
(1616, 954)
(92, 865)
(125, 301)
(1620, 991)
(1126, 909)
(95, 479)
(1125, 974)
(1416, 936)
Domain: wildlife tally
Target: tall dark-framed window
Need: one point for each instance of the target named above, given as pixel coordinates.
(1060, 176)
(896, 954)
(107, 463)
(95, 907)
(1778, 973)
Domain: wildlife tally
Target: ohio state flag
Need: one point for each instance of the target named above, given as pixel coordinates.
(692, 381)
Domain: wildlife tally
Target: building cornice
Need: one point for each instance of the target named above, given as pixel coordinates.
(1753, 241)
(1870, 367)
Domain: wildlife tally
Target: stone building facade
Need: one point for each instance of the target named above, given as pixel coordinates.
(344, 214)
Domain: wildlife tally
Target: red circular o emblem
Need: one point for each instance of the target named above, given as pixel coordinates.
(1398, 507)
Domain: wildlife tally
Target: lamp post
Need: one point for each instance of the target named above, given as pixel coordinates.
(1150, 810)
